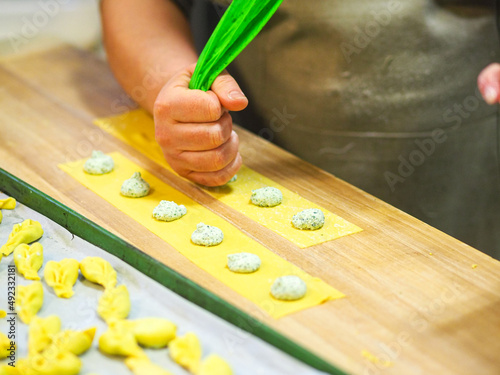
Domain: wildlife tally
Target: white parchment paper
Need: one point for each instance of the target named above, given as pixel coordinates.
(245, 353)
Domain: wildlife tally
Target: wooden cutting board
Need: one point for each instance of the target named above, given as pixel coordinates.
(414, 305)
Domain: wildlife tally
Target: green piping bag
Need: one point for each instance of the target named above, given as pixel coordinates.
(241, 22)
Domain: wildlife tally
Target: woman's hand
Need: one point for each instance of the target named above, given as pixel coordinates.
(195, 129)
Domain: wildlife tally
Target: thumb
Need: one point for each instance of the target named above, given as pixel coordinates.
(229, 93)
(489, 83)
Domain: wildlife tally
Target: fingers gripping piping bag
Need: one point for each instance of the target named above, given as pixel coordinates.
(241, 22)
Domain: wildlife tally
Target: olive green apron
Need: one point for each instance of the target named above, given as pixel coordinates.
(383, 94)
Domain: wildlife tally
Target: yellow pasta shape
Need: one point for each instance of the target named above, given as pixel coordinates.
(52, 362)
(52, 351)
(121, 324)
(4, 346)
(76, 342)
(20, 369)
(29, 300)
(6, 204)
(148, 332)
(114, 303)
(26, 232)
(143, 366)
(3, 314)
(153, 332)
(119, 340)
(61, 276)
(41, 331)
(214, 365)
(186, 351)
(99, 271)
(29, 260)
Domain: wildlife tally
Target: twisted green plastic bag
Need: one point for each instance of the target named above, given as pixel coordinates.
(241, 22)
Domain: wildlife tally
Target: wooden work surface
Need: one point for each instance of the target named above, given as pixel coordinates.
(413, 296)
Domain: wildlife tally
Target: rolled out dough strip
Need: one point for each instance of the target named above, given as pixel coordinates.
(137, 129)
(177, 233)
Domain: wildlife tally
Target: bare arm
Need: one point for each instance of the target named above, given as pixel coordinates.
(147, 42)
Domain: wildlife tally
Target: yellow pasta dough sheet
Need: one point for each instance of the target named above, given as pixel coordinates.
(137, 129)
(255, 286)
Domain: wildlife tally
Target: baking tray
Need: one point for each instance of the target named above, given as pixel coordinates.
(166, 276)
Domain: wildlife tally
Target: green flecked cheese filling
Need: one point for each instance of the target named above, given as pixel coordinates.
(243, 262)
(266, 197)
(288, 288)
(135, 187)
(99, 163)
(207, 235)
(309, 219)
(169, 211)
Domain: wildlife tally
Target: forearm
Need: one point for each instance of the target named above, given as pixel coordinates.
(146, 42)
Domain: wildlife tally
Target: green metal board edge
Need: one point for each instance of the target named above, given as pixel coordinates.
(86, 229)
